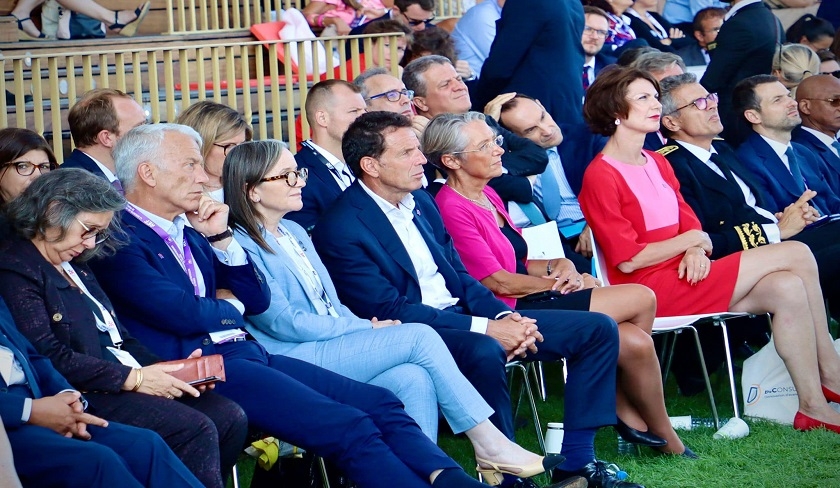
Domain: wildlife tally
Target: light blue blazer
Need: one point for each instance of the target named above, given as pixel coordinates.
(292, 320)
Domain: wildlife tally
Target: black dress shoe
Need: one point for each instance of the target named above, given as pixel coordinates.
(689, 454)
(596, 474)
(573, 482)
(630, 434)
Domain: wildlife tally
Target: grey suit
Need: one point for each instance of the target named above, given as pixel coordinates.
(411, 360)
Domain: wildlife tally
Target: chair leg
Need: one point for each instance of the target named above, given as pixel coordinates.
(730, 369)
(323, 468)
(668, 358)
(234, 476)
(539, 378)
(526, 389)
(709, 391)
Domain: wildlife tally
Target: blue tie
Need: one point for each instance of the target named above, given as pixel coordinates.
(24, 364)
(836, 146)
(793, 164)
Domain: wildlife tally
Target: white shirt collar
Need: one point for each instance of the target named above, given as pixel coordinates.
(590, 64)
(778, 147)
(173, 228)
(406, 206)
(734, 10)
(827, 140)
(697, 151)
(330, 157)
(108, 173)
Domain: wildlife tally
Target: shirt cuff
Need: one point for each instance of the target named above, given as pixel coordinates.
(27, 410)
(479, 324)
(236, 303)
(234, 255)
(774, 234)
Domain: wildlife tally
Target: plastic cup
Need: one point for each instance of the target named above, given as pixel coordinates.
(554, 438)
(735, 428)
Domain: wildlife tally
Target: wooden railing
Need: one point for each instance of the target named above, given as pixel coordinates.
(247, 76)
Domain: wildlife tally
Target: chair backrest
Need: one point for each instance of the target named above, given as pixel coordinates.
(599, 263)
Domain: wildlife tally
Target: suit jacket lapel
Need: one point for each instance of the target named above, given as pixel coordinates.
(319, 169)
(281, 255)
(375, 220)
(7, 342)
(443, 265)
(771, 160)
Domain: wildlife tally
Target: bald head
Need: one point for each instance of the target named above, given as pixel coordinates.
(818, 98)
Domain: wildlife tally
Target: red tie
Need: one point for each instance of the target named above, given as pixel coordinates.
(585, 78)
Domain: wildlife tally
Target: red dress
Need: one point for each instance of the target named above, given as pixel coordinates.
(624, 224)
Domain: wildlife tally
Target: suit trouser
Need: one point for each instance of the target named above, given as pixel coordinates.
(363, 429)
(589, 342)
(203, 432)
(824, 242)
(482, 360)
(411, 361)
(116, 456)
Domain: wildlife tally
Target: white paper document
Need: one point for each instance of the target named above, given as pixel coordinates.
(543, 241)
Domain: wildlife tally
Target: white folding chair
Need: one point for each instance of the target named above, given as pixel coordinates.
(678, 324)
(524, 368)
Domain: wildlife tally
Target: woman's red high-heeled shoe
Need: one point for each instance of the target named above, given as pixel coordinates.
(804, 422)
(830, 395)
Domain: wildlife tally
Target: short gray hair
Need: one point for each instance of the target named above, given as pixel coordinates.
(54, 200)
(445, 135)
(144, 144)
(412, 76)
(361, 80)
(657, 62)
(667, 87)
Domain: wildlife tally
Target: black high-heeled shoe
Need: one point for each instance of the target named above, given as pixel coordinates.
(25, 36)
(130, 28)
(646, 438)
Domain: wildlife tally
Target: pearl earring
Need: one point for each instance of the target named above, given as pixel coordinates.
(617, 122)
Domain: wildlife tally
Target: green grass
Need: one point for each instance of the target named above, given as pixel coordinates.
(772, 455)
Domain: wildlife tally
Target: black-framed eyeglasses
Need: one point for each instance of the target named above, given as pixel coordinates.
(834, 102)
(415, 22)
(100, 235)
(227, 147)
(26, 168)
(291, 177)
(595, 32)
(701, 103)
(394, 95)
(487, 146)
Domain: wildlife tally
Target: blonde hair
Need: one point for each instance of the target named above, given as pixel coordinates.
(214, 122)
(792, 63)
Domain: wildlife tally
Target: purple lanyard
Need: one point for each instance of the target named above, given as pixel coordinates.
(184, 256)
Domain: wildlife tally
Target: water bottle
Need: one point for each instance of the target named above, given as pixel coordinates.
(706, 422)
(554, 438)
(619, 473)
(627, 448)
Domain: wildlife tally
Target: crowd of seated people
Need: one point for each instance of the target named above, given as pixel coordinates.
(380, 274)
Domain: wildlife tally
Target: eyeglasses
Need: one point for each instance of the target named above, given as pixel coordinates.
(101, 235)
(227, 147)
(394, 95)
(487, 146)
(595, 32)
(415, 22)
(713, 29)
(834, 102)
(701, 103)
(291, 177)
(26, 168)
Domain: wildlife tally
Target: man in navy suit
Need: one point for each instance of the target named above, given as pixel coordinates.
(97, 121)
(706, 25)
(180, 287)
(331, 106)
(46, 424)
(385, 246)
(595, 31)
(819, 107)
(782, 169)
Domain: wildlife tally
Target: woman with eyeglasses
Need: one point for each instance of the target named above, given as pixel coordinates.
(61, 220)
(221, 128)
(307, 321)
(494, 252)
(650, 236)
(24, 156)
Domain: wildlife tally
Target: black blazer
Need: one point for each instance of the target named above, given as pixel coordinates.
(54, 316)
(78, 159)
(719, 203)
(643, 31)
(320, 191)
(744, 47)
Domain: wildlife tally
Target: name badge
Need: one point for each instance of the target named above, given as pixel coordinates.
(124, 357)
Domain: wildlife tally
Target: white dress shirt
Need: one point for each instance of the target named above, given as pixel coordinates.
(338, 169)
(433, 288)
(780, 149)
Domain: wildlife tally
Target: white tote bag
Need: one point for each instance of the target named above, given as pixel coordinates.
(768, 390)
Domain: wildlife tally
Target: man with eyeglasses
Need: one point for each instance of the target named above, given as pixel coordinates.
(331, 106)
(595, 31)
(384, 92)
(726, 197)
(705, 27)
(818, 98)
(97, 121)
(782, 169)
(417, 14)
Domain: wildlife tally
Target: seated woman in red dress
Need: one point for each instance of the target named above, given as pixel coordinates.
(494, 252)
(650, 236)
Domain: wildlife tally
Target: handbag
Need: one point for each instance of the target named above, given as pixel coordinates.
(767, 387)
(199, 371)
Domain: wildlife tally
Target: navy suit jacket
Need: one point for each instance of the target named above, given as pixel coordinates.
(373, 272)
(320, 191)
(777, 184)
(537, 52)
(602, 61)
(719, 203)
(78, 159)
(155, 299)
(830, 162)
(44, 380)
(692, 55)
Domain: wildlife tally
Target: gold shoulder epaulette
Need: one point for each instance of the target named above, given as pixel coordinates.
(668, 149)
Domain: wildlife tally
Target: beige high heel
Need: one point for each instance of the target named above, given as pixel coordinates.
(495, 474)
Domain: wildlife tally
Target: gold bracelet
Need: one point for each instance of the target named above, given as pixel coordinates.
(139, 379)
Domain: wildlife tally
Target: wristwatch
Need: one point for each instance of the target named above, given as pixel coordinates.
(220, 237)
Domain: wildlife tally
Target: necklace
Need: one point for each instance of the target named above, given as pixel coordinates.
(477, 202)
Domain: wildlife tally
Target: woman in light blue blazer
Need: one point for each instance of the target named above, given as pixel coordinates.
(307, 321)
